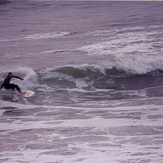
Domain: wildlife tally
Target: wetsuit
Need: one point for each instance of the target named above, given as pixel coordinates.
(7, 84)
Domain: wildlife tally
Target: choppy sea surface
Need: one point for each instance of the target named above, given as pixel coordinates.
(97, 70)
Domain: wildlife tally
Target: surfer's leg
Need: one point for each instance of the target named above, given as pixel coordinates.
(16, 86)
(9, 86)
(13, 86)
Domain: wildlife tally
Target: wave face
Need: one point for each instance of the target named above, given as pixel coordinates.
(145, 74)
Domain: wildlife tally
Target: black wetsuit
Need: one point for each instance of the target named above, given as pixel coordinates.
(7, 84)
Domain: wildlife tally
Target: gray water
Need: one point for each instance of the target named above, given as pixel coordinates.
(96, 68)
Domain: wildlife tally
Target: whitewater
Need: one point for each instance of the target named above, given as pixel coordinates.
(97, 70)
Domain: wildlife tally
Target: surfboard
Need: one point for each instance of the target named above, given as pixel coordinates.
(26, 93)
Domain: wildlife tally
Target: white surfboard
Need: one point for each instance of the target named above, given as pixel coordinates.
(26, 93)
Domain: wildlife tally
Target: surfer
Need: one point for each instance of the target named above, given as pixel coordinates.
(9, 85)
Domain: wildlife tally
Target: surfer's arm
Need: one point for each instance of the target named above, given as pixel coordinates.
(18, 77)
(1, 86)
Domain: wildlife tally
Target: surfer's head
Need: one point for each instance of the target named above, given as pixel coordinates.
(10, 74)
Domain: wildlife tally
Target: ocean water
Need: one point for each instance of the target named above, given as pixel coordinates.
(97, 70)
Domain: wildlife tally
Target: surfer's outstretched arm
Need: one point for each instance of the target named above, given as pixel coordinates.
(17, 77)
(1, 86)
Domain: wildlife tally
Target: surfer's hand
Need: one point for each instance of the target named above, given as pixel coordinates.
(0, 88)
(22, 79)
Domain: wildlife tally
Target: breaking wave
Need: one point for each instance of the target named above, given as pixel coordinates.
(121, 73)
(104, 76)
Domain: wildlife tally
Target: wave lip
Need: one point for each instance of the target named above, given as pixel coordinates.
(137, 64)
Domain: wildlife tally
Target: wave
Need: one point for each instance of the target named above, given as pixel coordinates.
(101, 76)
(134, 72)
(115, 66)
(36, 36)
(75, 83)
(46, 35)
(137, 63)
(94, 72)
